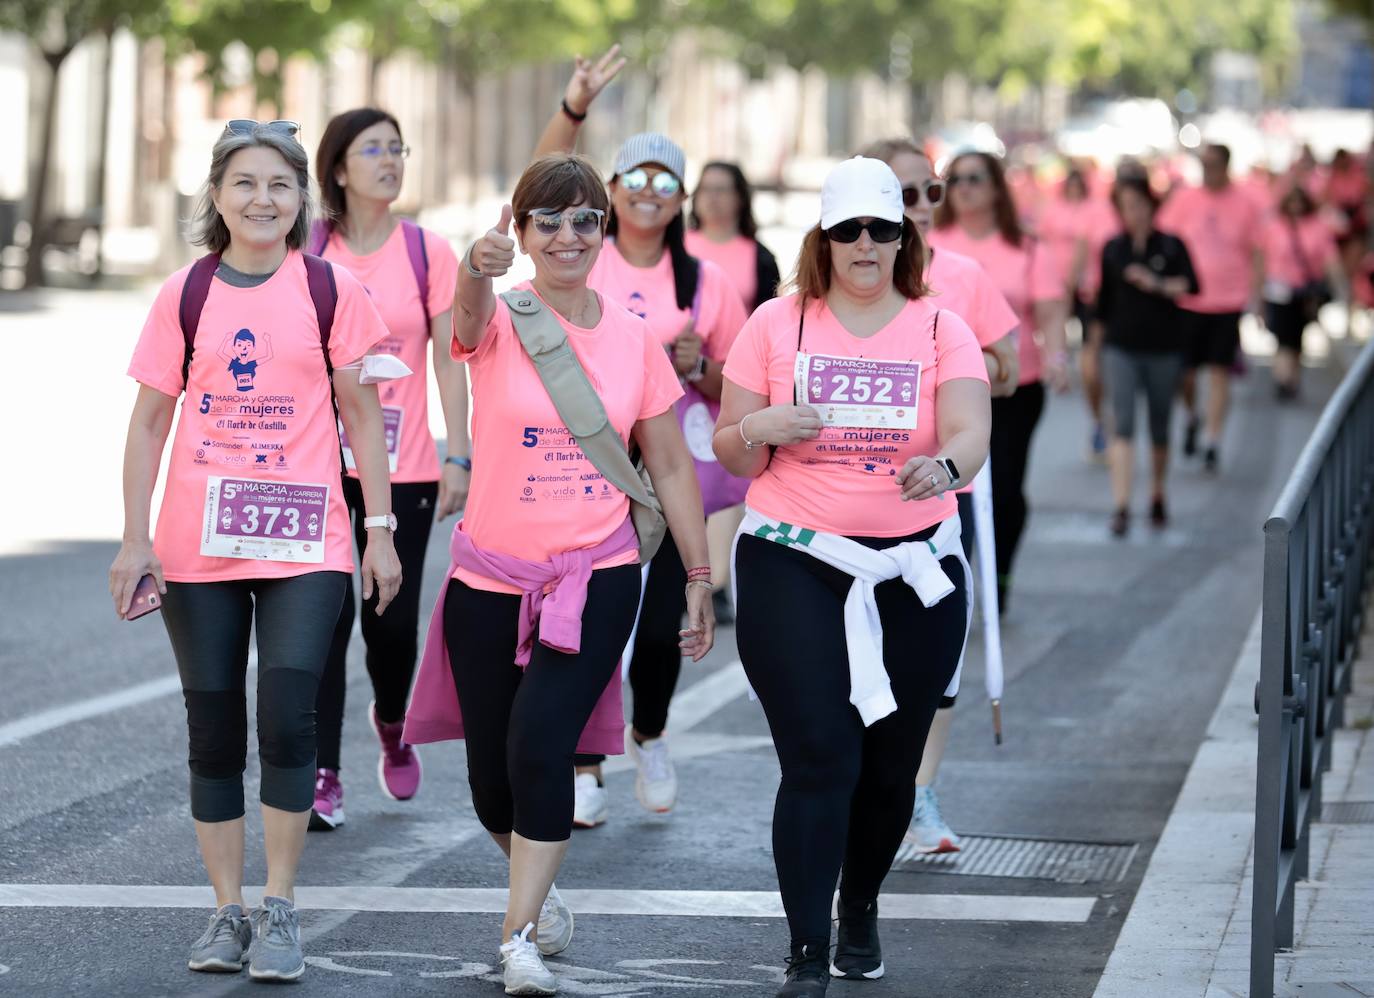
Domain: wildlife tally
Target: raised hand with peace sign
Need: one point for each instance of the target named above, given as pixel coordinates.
(590, 78)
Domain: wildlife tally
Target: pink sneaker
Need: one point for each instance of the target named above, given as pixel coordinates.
(398, 770)
(327, 812)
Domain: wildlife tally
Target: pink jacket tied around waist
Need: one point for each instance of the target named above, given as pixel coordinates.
(434, 713)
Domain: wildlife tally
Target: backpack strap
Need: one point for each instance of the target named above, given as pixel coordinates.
(419, 262)
(193, 295)
(319, 237)
(319, 277)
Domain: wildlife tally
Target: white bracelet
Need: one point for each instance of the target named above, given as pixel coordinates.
(467, 262)
(748, 444)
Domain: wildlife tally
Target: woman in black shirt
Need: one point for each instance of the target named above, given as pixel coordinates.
(1144, 271)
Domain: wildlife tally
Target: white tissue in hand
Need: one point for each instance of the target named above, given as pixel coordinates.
(379, 367)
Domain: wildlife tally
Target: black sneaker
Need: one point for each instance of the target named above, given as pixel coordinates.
(1121, 522)
(1209, 460)
(807, 975)
(1190, 437)
(858, 954)
(1159, 515)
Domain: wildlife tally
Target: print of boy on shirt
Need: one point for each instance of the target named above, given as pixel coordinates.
(243, 354)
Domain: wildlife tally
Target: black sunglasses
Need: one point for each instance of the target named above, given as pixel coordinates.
(880, 230)
(246, 126)
(934, 192)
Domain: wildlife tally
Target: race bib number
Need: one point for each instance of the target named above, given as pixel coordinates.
(264, 520)
(854, 391)
(391, 419)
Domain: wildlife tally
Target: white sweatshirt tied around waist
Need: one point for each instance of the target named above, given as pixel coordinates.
(917, 563)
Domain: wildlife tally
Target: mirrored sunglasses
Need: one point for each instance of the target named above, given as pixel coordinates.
(879, 230)
(934, 191)
(665, 185)
(584, 221)
(246, 126)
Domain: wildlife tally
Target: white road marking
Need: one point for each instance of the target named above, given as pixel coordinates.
(57, 717)
(706, 696)
(467, 900)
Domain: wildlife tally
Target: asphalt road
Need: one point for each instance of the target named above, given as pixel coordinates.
(1116, 654)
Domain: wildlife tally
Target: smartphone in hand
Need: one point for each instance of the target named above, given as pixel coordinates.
(146, 598)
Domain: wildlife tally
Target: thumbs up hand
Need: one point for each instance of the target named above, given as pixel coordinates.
(494, 253)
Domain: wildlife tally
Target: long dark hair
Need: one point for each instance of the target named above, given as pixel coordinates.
(1005, 208)
(338, 135)
(686, 268)
(745, 221)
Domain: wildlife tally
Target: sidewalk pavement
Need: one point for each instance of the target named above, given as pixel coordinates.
(1188, 933)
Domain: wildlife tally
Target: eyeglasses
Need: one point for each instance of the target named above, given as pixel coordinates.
(972, 179)
(880, 230)
(375, 150)
(665, 185)
(584, 221)
(246, 126)
(934, 191)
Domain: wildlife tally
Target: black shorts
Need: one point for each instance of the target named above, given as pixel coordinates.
(1212, 338)
(1287, 322)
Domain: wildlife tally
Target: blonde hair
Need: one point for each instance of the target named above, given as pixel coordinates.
(207, 227)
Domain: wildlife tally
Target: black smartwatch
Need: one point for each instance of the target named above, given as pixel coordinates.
(949, 468)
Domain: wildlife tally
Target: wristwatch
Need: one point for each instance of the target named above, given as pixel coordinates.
(388, 521)
(463, 462)
(698, 372)
(948, 467)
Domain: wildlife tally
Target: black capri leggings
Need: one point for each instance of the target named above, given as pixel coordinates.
(656, 660)
(847, 791)
(1128, 373)
(522, 725)
(392, 639)
(1013, 423)
(209, 624)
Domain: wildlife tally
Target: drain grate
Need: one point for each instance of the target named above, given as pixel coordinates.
(1350, 812)
(1030, 858)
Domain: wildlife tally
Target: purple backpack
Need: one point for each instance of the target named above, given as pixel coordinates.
(415, 250)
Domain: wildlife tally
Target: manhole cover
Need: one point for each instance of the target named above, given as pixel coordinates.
(1350, 812)
(1036, 859)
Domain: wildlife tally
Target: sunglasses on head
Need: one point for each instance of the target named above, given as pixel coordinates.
(664, 184)
(584, 221)
(934, 191)
(246, 126)
(880, 230)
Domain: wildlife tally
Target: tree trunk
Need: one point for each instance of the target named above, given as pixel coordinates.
(373, 72)
(38, 217)
(102, 162)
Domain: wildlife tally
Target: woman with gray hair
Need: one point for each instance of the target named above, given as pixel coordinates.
(266, 342)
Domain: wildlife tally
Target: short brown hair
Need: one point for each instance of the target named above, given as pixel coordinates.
(812, 276)
(889, 149)
(207, 226)
(558, 181)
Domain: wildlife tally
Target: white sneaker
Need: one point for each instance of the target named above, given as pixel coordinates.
(555, 924)
(590, 801)
(656, 782)
(928, 832)
(522, 970)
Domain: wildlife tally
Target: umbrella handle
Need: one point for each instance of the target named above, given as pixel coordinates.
(997, 721)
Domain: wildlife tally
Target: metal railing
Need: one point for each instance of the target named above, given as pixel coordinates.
(1316, 575)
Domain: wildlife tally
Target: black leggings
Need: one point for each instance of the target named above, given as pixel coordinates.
(656, 662)
(209, 624)
(522, 726)
(391, 639)
(1013, 422)
(847, 791)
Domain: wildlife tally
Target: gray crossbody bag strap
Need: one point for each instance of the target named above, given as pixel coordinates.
(582, 411)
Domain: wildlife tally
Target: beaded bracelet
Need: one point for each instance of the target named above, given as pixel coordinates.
(699, 582)
(699, 573)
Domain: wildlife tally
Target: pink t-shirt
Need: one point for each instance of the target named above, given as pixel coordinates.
(257, 409)
(649, 293)
(388, 278)
(534, 493)
(1025, 275)
(737, 258)
(844, 480)
(1282, 260)
(1063, 224)
(961, 285)
(1222, 229)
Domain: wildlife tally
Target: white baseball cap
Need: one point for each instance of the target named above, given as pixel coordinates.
(860, 188)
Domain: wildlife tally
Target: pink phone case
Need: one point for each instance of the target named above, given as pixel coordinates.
(146, 598)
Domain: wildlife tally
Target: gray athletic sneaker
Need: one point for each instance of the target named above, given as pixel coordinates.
(276, 951)
(220, 949)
